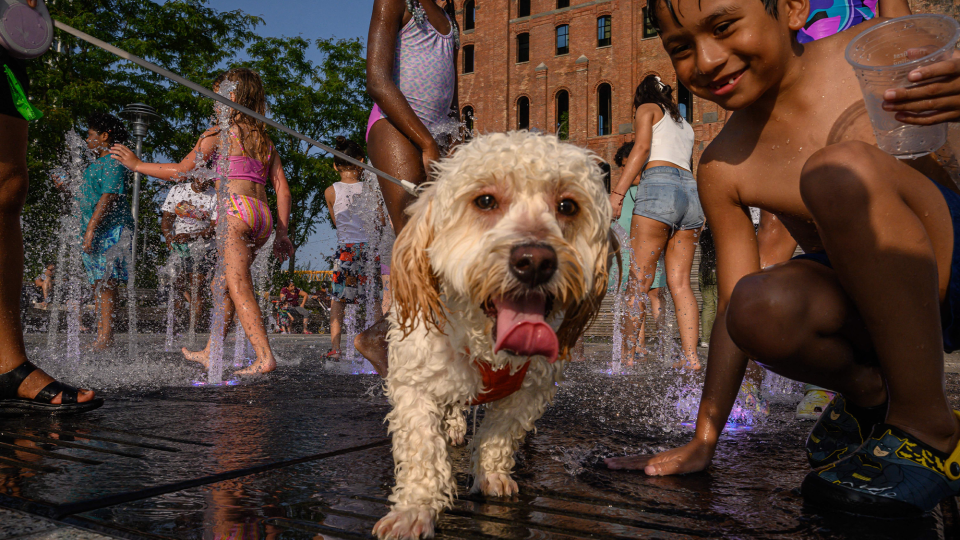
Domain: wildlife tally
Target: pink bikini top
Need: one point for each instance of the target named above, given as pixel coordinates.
(245, 167)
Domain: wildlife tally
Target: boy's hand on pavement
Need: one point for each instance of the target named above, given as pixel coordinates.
(692, 457)
(934, 96)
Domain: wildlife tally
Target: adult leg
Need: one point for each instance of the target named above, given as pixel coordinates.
(633, 319)
(13, 193)
(883, 222)
(649, 238)
(679, 261)
(393, 153)
(655, 304)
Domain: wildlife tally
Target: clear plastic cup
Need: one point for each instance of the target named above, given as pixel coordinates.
(882, 57)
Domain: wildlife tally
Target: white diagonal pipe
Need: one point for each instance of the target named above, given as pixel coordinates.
(410, 187)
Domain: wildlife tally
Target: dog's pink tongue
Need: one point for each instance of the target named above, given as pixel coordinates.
(522, 330)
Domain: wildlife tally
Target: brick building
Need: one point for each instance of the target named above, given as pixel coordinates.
(566, 65)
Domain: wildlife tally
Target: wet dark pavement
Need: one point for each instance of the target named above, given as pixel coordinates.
(303, 454)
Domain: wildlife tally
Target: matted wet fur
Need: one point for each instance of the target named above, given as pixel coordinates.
(451, 267)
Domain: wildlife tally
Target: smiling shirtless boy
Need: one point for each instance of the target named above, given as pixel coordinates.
(870, 309)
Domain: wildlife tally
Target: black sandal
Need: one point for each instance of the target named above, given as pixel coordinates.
(12, 405)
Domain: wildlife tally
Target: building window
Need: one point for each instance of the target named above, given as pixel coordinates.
(563, 4)
(563, 39)
(603, 31)
(469, 15)
(523, 48)
(467, 58)
(466, 117)
(523, 8)
(523, 113)
(604, 109)
(563, 115)
(648, 30)
(685, 102)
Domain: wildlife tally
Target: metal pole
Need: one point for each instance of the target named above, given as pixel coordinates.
(135, 205)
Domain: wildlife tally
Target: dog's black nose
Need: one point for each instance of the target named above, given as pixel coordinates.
(533, 264)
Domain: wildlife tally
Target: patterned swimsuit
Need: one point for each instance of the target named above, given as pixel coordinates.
(827, 17)
(251, 210)
(423, 69)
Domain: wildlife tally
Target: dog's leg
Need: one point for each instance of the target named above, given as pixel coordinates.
(455, 424)
(425, 483)
(505, 424)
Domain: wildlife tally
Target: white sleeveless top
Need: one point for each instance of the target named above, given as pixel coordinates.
(672, 142)
(349, 221)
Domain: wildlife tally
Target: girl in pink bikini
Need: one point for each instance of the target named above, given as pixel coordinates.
(412, 77)
(249, 164)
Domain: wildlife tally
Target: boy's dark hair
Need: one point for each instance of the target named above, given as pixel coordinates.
(652, 90)
(349, 148)
(109, 124)
(772, 7)
(623, 153)
(605, 169)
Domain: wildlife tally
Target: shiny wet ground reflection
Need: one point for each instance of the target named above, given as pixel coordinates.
(301, 454)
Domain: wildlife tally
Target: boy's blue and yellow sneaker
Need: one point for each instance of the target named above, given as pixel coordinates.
(841, 429)
(893, 475)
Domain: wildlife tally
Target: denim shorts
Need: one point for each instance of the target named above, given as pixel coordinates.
(669, 195)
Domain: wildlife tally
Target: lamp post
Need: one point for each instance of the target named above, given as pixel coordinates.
(139, 116)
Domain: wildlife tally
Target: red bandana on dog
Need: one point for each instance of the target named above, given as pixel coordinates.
(498, 384)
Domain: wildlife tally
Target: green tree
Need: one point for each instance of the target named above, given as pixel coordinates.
(75, 79)
(321, 101)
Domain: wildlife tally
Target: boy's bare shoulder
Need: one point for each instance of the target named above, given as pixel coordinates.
(728, 149)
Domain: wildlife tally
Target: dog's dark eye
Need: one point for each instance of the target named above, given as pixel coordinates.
(568, 207)
(485, 202)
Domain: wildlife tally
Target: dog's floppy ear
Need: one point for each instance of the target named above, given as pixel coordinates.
(580, 316)
(416, 287)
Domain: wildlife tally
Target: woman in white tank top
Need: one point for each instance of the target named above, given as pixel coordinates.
(667, 216)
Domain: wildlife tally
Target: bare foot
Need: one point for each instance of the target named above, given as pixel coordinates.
(372, 344)
(258, 368)
(200, 357)
(100, 345)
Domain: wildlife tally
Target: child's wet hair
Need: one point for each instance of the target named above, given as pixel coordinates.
(249, 92)
(349, 148)
(109, 124)
(771, 6)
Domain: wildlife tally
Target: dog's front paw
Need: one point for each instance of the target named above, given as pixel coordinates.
(406, 522)
(456, 428)
(495, 485)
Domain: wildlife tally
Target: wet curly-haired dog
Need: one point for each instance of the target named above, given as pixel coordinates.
(502, 265)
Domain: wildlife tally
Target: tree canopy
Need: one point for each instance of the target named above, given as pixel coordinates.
(188, 37)
(321, 101)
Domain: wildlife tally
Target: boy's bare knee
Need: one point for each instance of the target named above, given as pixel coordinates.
(763, 316)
